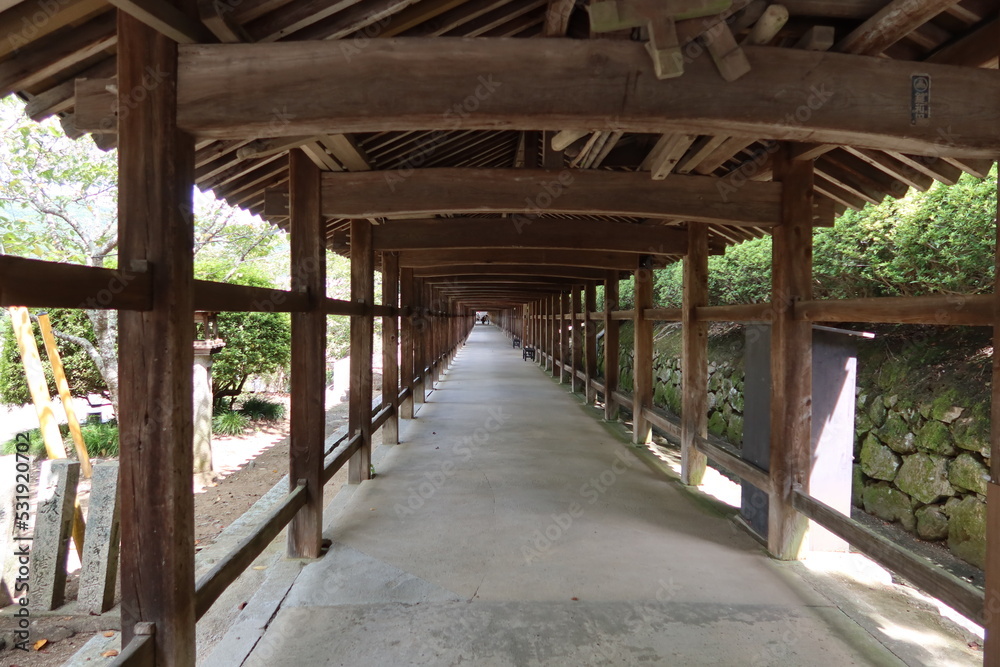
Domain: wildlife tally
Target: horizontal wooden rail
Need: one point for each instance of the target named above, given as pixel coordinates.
(974, 310)
(597, 315)
(662, 314)
(382, 416)
(221, 297)
(35, 283)
(622, 399)
(340, 456)
(734, 464)
(661, 420)
(140, 652)
(925, 575)
(748, 312)
(622, 314)
(227, 570)
(405, 393)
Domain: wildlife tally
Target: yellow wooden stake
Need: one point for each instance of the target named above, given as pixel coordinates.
(67, 399)
(23, 333)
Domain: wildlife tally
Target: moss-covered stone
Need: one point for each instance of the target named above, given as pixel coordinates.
(971, 434)
(857, 486)
(925, 477)
(897, 435)
(672, 396)
(717, 425)
(736, 398)
(734, 431)
(967, 472)
(943, 408)
(712, 401)
(932, 522)
(967, 530)
(877, 413)
(889, 504)
(935, 437)
(878, 461)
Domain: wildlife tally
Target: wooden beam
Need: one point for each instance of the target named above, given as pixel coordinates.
(531, 192)
(946, 310)
(156, 355)
(390, 346)
(669, 149)
(611, 342)
(642, 355)
(694, 360)
(976, 49)
(166, 19)
(890, 24)
(308, 366)
(50, 56)
(510, 271)
(514, 233)
(583, 258)
(851, 99)
(21, 26)
(791, 358)
(362, 332)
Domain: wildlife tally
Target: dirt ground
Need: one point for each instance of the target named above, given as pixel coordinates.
(247, 467)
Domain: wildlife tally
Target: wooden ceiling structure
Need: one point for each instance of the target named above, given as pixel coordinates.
(502, 155)
(612, 135)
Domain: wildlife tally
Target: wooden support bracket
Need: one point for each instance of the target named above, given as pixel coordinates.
(659, 18)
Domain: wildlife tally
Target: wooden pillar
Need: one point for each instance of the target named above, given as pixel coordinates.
(992, 597)
(590, 355)
(420, 323)
(694, 358)
(791, 354)
(362, 332)
(575, 353)
(642, 366)
(554, 305)
(406, 340)
(156, 358)
(308, 377)
(390, 346)
(611, 328)
(564, 354)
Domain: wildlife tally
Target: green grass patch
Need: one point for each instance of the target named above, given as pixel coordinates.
(262, 409)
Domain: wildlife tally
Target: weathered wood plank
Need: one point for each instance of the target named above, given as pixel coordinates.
(362, 332)
(642, 367)
(308, 365)
(590, 351)
(482, 233)
(949, 309)
(390, 346)
(611, 342)
(585, 84)
(156, 178)
(694, 357)
(579, 258)
(791, 357)
(407, 367)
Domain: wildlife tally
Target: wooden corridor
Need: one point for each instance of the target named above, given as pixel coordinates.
(511, 528)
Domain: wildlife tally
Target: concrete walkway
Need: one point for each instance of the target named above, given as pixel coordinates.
(512, 528)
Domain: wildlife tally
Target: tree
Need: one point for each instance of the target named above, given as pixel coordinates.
(58, 201)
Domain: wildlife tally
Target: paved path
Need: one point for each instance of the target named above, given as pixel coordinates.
(512, 528)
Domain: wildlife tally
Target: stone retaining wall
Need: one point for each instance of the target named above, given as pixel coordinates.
(924, 465)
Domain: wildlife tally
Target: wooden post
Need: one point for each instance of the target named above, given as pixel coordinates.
(555, 303)
(642, 366)
(590, 355)
(791, 355)
(390, 346)
(156, 351)
(362, 332)
(694, 359)
(577, 341)
(406, 366)
(62, 385)
(611, 329)
(565, 357)
(991, 655)
(308, 376)
(37, 385)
